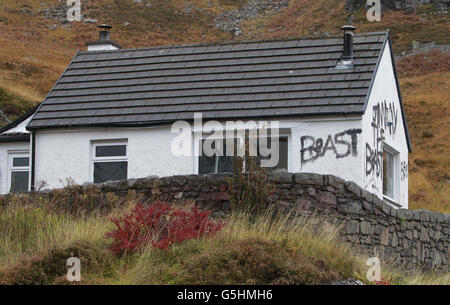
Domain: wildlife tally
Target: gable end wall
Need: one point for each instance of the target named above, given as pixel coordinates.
(384, 102)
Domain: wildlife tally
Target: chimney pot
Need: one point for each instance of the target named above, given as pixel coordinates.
(104, 43)
(348, 42)
(346, 60)
(104, 32)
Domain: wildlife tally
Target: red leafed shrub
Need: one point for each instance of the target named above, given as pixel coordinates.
(159, 225)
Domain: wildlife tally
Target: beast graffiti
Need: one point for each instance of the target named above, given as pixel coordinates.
(374, 154)
(342, 145)
(385, 116)
(404, 170)
(374, 158)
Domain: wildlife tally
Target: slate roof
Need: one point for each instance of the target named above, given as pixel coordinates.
(158, 85)
(14, 137)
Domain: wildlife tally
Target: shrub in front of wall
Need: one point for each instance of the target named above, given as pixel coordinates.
(159, 225)
(249, 187)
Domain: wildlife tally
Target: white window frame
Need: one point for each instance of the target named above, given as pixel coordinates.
(395, 172)
(95, 159)
(200, 137)
(11, 168)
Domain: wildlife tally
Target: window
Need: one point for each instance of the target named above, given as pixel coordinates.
(224, 164)
(389, 176)
(19, 169)
(283, 155)
(110, 162)
(216, 164)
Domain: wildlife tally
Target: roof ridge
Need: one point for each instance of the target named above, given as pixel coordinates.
(220, 43)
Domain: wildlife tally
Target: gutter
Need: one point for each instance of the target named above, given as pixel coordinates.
(33, 159)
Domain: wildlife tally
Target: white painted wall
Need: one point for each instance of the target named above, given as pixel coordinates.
(322, 161)
(385, 90)
(102, 47)
(339, 158)
(62, 154)
(5, 149)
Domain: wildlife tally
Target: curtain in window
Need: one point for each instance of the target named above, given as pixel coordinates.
(110, 171)
(388, 174)
(19, 182)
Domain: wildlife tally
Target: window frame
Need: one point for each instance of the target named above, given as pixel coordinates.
(200, 137)
(395, 173)
(216, 160)
(12, 168)
(95, 159)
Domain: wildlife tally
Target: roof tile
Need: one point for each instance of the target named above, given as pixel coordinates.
(162, 84)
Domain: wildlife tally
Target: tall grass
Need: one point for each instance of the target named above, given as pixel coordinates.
(428, 279)
(426, 99)
(270, 248)
(184, 263)
(33, 229)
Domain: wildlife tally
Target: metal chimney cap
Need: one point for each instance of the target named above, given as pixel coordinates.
(104, 26)
(348, 27)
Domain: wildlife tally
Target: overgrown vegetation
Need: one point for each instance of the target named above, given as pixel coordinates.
(37, 235)
(426, 102)
(249, 186)
(159, 225)
(51, 269)
(424, 63)
(12, 105)
(29, 226)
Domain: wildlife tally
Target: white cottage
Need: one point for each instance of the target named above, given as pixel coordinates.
(337, 102)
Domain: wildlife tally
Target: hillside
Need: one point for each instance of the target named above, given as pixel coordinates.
(37, 42)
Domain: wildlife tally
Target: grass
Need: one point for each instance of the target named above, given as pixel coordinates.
(245, 252)
(426, 100)
(16, 103)
(28, 231)
(36, 241)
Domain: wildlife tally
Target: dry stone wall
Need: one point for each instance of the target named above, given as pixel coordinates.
(408, 239)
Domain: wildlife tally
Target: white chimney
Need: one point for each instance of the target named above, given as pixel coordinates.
(104, 43)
